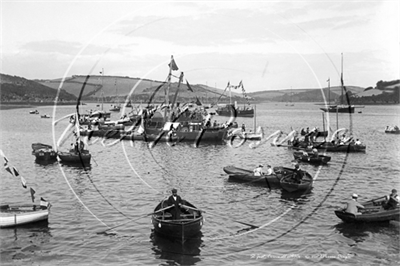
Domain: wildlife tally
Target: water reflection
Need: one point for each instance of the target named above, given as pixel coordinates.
(296, 195)
(187, 253)
(24, 241)
(358, 232)
(45, 162)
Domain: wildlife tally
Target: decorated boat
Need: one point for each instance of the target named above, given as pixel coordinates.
(373, 212)
(193, 123)
(310, 157)
(15, 215)
(230, 110)
(188, 225)
(293, 182)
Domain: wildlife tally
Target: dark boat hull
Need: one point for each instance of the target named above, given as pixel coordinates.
(338, 109)
(290, 186)
(374, 217)
(75, 158)
(392, 131)
(311, 159)
(189, 225)
(45, 154)
(239, 113)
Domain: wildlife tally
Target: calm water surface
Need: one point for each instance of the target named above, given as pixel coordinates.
(126, 181)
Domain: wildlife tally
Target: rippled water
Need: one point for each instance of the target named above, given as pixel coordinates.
(126, 181)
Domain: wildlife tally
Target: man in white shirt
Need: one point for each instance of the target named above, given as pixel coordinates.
(259, 170)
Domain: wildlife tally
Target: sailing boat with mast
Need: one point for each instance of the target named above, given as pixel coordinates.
(342, 108)
(227, 109)
(182, 121)
(117, 107)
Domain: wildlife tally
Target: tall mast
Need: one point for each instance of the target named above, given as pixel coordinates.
(102, 89)
(341, 81)
(329, 91)
(166, 110)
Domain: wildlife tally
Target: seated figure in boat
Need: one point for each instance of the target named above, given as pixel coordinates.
(391, 201)
(396, 128)
(358, 142)
(314, 152)
(297, 174)
(269, 171)
(353, 205)
(259, 170)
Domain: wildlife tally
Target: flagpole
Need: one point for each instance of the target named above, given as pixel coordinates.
(167, 91)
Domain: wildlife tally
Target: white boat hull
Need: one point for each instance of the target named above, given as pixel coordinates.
(16, 215)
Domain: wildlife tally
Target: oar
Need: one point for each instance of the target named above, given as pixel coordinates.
(375, 199)
(140, 217)
(188, 207)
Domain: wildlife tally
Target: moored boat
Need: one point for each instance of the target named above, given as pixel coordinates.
(43, 152)
(34, 112)
(74, 157)
(392, 130)
(11, 216)
(311, 158)
(188, 225)
(373, 212)
(45, 116)
(228, 110)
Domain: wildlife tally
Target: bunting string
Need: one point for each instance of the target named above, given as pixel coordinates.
(14, 172)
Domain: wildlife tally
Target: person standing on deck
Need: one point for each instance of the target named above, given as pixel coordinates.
(353, 205)
(176, 201)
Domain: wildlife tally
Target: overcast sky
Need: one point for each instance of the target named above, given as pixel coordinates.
(267, 44)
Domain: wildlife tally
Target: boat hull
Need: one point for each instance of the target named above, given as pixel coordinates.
(189, 225)
(392, 131)
(45, 154)
(290, 186)
(311, 159)
(373, 217)
(339, 109)
(21, 215)
(72, 157)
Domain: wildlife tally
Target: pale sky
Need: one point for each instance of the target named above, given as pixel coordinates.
(267, 44)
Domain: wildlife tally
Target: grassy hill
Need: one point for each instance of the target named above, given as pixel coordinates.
(139, 89)
(18, 89)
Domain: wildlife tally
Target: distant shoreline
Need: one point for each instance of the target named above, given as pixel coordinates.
(16, 105)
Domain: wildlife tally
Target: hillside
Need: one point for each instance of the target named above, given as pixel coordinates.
(111, 86)
(18, 89)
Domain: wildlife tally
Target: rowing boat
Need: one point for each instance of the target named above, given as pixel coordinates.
(188, 225)
(373, 212)
(311, 158)
(237, 174)
(290, 184)
(75, 157)
(11, 216)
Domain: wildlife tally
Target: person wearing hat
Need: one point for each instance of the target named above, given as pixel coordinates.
(353, 205)
(176, 201)
(392, 201)
(259, 170)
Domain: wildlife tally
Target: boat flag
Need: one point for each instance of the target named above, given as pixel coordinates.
(7, 167)
(23, 181)
(198, 101)
(15, 171)
(189, 87)
(33, 194)
(173, 65)
(43, 203)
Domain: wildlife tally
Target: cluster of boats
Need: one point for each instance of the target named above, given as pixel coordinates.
(45, 153)
(172, 122)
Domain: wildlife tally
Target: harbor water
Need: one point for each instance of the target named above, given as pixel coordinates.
(126, 180)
